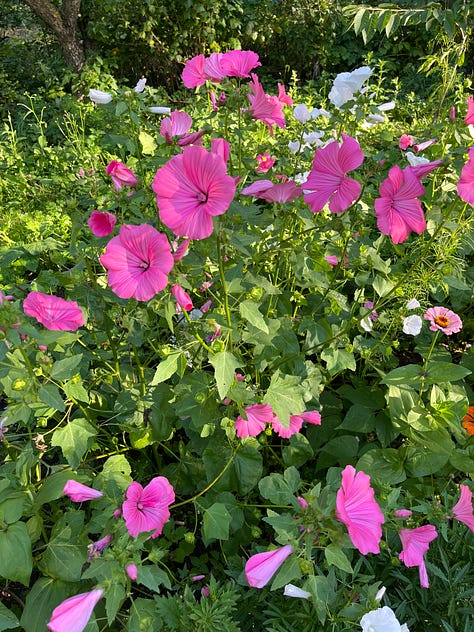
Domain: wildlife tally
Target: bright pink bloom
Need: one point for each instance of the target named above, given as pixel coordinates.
(358, 510)
(285, 191)
(264, 107)
(470, 111)
(138, 261)
(79, 492)
(398, 210)
(405, 141)
(312, 417)
(73, 614)
(193, 74)
(261, 567)
(257, 416)
(53, 312)
(146, 509)
(181, 250)
(190, 189)
(239, 63)
(101, 224)
(403, 513)
(177, 124)
(283, 97)
(132, 571)
(420, 171)
(221, 147)
(294, 426)
(302, 502)
(332, 260)
(327, 180)
(265, 162)
(197, 578)
(415, 543)
(194, 138)
(182, 297)
(443, 319)
(424, 145)
(213, 69)
(121, 175)
(462, 510)
(465, 184)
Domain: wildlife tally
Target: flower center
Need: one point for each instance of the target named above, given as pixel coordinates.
(442, 321)
(144, 265)
(139, 506)
(201, 197)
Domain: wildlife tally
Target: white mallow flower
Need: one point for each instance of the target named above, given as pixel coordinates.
(380, 594)
(294, 146)
(412, 325)
(385, 107)
(415, 160)
(382, 620)
(301, 178)
(339, 95)
(313, 138)
(98, 96)
(294, 591)
(412, 304)
(140, 85)
(315, 112)
(302, 113)
(160, 110)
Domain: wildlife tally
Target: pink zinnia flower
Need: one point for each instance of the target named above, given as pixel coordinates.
(405, 141)
(79, 492)
(53, 312)
(146, 509)
(138, 261)
(257, 416)
(465, 184)
(443, 319)
(358, 510)
(415, 543)
(121, 175)
(132, 571)
(177, 124)
(264, 107)
(190, 189)
(261, 567)
(101, 223)
(470, 111)
(462, 510)
(73, 614)
(182, 297)
(265, 162)
(327, 180)
(193, 74)
(398, 210)
(239, 63)
(285, 191)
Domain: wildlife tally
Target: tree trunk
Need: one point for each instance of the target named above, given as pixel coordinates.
(63, 23)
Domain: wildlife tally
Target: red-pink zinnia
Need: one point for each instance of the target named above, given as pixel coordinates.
(265, 162)
(415, 543)
(53, 312)
(121, 175)
(357, 509)
(79, 492)
(73, 614)
(101, 223)
(146, 508)
(261, 567)
(462, 510)
(443, 319)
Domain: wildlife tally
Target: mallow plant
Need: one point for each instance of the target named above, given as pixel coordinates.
(242, 389)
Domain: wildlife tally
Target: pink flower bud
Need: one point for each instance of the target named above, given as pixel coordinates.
(132, 571)
(182, 298)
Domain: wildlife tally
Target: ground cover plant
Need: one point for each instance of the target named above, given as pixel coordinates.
(237, 362)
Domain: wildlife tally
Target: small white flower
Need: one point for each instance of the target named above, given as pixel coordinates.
(313, 138)
(301, 113)
(385, 107)
(366, 323)
(412, 304)
(381, 620)
(380, 594)
(415, 160)
(315, 112)
(140, 85)
(412, 325)
(294, 146)
(301, 178)
(160, 110)
(377, 118)
(294, 591)
(98, 96)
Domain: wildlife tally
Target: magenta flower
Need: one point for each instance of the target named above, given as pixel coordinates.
(424, 145)
(177, 124)
(121, 175)
(265, 108)
(95, 549)
(415, 543)
(181, 250)
(146, 509)
(257, 416)
(422, 170)
(182, 297)
(239, 63)
(285, 432)
(465, 184)
(358, 510)
(261, 567)
(403, 513)
(138, 261)
(443, 319)
(265, 162)
(190, 189)
(193, 72)
(73, 614)
(285, 191)
(332, 260)
(213, 67)
(327, 180)
(53, 312)
(101, 223)
(470, 111)
(405, 141)
(283, 97)
(79, 492)
(462, 510)
(398, 210)
(132, 571)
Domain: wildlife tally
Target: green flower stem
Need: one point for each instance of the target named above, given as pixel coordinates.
(195, 333)
(220, 259)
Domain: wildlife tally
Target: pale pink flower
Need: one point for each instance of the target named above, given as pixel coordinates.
(182, 297)
(424, 145)
(265, 162)
(132, 571)
(239, 63)
(146, 508)
(177, 124)
(443, 319)
(302, 502)
(191, 189)
(264, 107)
(398, 210)
(405, 141)
(332, 260)
(257, 416)
(294, 426)
(470, 111)
(101, 223)
(327, 180)
(403, 513)
(462, 510)
(261, 567)
(121, 175)
(465, 186)
(284, 191)
(193, 74)
(357, 509)
(73, 614)
(53, 312)
(415, 544)
(138, 261)
(79, 492)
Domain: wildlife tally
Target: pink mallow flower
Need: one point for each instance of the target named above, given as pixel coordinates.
(191, 189)
(193, 74)
(73, 614)
(462, 510)
(405, 141)
(470, 111)
(182, 297)
(146, 508)
(257, 416)
(261, 567)
(121, 175)
(101, 223)
(177, 124)
(265, 162)
(327, 180)
(443, 319)
(132, 571)
(357, 509)
(398, 210)
(265, 108)
(138, 261)
(79, 492)
(465, 185)
(295, 423)
(239, 63)
(415, 544)
(285, 191)
(53, 312)
(403, 513)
